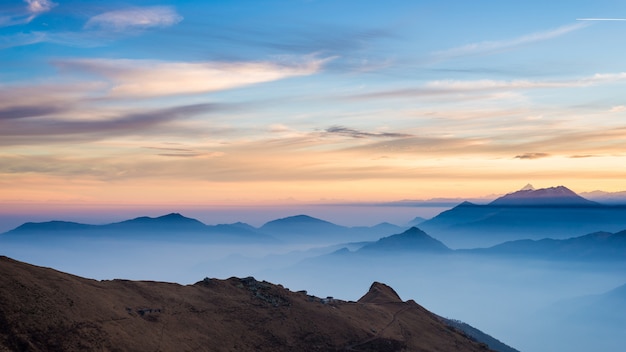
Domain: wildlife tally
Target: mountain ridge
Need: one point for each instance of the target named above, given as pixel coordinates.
(552, 196)
(44, 310)
(174, 226)
(554, 212)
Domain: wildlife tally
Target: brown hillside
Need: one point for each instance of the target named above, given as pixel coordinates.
(45, 310)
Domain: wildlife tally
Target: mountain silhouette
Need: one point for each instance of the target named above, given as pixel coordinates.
(300, 225)
(46, 310)
(174, 226)
(598, 246)
(553, 212)
(304, 228)
(412, 240)
(170, 227)
(169, 222)
(553, 196)
(51, 226)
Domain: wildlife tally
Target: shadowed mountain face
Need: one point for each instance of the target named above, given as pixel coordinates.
(45, 310)
(553, 212)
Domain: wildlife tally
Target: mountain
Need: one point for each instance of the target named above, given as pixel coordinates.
(380, 293)
(606, 197)
(46, 310)
(300, 225)
(304, 228)
(530, 214)
(165, 223)
(478, 335)
(411, 240)
(528, 187)
(416, 221)
(598, 246)
(51, 226)
(170, 227)
(553, 196)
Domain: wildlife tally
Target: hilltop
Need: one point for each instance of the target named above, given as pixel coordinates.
(47, 310)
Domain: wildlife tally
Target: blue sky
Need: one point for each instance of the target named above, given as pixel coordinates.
(215, 102)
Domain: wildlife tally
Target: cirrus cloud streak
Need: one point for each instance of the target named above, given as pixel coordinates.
(149, 78)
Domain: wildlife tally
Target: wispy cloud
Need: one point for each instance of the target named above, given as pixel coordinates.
(147, 78)
(184, 152)
(33, 9)
(21, 39)
(22, 111)
(448, 87)
(23, 128)
(135, 18)
(349, 132)
(532, 156)
(490, 47)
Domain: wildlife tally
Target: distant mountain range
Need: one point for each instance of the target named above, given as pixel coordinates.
(176, 227)
(529, 213)
(555, 212)
(46, 310)
(606, 197)
(170, 227)
(599, 246)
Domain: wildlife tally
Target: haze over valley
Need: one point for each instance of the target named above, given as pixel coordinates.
(502, 278)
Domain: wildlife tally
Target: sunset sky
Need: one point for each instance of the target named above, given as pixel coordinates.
(267, 102)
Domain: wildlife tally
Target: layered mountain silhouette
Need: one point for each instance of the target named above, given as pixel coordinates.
(170, 227)
(594, 247)
(46, 310)
(598, 246)
(304, 228)
(555, 212)
(174, 226)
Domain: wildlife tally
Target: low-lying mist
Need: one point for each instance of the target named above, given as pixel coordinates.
(511, 299)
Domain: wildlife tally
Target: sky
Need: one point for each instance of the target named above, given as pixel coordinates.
(254, 103)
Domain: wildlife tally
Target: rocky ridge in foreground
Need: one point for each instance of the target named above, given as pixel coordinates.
(46, 310)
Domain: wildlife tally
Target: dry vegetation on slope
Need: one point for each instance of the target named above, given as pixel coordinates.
(45, 310)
